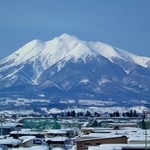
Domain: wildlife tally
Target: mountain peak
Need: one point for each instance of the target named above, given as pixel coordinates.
(26, 52)
(67, 36)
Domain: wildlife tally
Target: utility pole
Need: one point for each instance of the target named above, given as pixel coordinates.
(145, 138)
(1, 126)
(2, 119)
(145, 127)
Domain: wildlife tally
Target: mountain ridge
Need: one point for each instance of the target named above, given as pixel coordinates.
(90, 47)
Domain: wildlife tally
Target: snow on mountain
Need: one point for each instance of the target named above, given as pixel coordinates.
(50, 52)
(28, 51)
(64, 46)
(140, 60)
(111, 52)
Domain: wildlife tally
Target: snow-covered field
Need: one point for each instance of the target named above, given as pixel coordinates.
(24, 106)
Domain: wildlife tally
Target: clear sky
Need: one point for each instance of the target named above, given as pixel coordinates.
(122, 23)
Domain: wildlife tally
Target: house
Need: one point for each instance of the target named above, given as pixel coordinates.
(10, 142)
(142, 139)
(27, 132)
(122, 125)
(87, 130)
(40, 147)
(59, 142)
(120, 147)
(59, 132)
(83, 144)
(6, 128)
(54, 133)
(29, 141)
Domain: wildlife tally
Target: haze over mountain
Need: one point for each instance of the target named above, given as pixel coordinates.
(69, 68)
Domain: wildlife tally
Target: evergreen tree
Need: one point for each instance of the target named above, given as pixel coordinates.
(88, 114)
(95, 123)
(68, 114)
(73, 113)
(117, 114)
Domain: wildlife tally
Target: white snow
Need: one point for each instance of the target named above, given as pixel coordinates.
(140, 60)
(118, 146)
(10, 141)
(53, 131)
(84, 81)
(140, 109)
(26, 138)
(58, 148)
(104, 50)
(57, 139)
(54, 110)
(95, 102)
(42, 147)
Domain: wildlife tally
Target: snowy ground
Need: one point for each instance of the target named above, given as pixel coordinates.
(25, 106)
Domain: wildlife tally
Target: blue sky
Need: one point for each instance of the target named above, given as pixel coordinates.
(122, 23)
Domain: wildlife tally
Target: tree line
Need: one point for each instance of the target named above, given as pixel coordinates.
(73, 113)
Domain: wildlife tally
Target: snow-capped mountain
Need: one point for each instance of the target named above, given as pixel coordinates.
(67, 67)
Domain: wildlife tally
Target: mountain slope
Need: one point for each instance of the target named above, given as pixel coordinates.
(67, 67)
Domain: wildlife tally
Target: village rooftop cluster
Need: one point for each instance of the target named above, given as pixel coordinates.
(75, 131)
